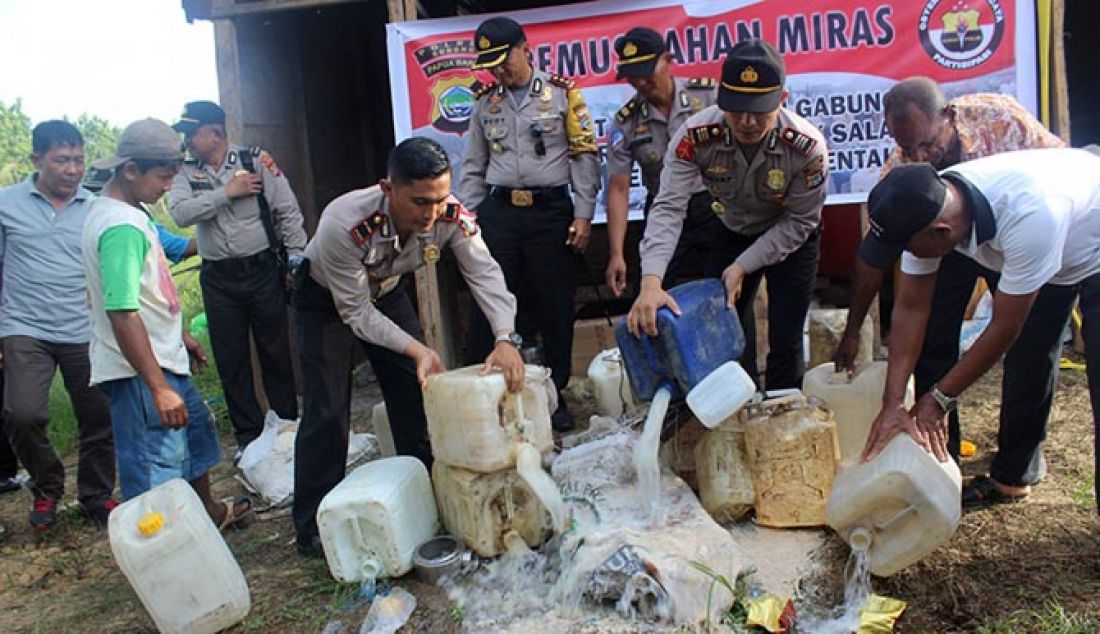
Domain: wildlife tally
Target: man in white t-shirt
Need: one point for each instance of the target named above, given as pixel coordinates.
(1034, 218)
(140, 354)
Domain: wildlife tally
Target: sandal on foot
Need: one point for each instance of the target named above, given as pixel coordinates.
(232, 518)
(983, 491)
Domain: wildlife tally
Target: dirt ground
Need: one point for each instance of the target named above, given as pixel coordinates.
(1007, 569)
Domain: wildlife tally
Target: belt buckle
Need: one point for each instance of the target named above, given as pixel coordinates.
(523, 197)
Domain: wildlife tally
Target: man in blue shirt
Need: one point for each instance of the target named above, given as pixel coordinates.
(44, 325)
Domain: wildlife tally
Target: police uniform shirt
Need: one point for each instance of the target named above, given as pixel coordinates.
(502, 144)
(640, 131)
(232, 228)
(357, 255)
(778, 193)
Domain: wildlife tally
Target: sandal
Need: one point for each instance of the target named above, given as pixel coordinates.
(982, 491)
(232, 518)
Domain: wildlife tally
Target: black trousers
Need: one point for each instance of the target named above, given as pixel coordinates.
(529, 244)
(30, 366)
(245, 300)
(790, 289)
(9, 464)
(326, 348)
(1089, 298)
(700, 227)
(1030, 366)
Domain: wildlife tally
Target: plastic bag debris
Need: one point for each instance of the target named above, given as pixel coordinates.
(880, 614)
(771, 612)
(268, 462)
(389, 612)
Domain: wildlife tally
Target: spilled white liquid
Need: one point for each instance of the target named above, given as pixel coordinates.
(857, 587)
(529, 468)
(645, 452)
(589, 576)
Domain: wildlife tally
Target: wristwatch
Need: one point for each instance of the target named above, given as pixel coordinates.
(513, 338)
(947, 403)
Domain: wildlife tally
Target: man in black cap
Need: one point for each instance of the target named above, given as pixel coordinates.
(766, 168)
(530, 141)
(640, 133)
(1031, 217)
(246, 218)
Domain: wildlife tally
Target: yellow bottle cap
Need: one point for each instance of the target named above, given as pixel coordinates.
(150, 524)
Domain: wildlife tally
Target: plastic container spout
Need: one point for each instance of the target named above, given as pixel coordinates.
(860, 539)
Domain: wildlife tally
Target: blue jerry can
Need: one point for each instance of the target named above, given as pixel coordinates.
(687, 348)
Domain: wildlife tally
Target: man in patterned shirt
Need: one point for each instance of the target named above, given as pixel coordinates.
(929, 128)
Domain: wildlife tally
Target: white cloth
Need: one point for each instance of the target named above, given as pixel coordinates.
(1046, 205)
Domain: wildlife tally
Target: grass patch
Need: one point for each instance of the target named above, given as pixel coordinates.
(1052, 619)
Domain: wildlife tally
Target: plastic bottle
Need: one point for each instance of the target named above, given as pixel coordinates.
(853, 401)
(687, 348)
(380, 421)
(725, 485)
(610, 386)
(177, 562)
(718, 396)
(901, 505)
(791, 449)
(476, 424)
(372, 522)
(482, 508)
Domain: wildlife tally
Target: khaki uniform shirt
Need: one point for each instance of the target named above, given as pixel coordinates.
(503, 136)
(232, 228)
(778, 193)
(640, 132)
(357, 255)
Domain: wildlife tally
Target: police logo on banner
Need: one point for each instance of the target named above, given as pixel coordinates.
(961, 34)
(448, 64)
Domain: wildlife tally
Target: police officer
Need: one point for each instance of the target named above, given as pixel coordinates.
(530, 140)
(349, 293)
(640, 133)
(765, 167)
(222, 191)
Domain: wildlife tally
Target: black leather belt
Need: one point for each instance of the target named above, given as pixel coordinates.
(528, 197)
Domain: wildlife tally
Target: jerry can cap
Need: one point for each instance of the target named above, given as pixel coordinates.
(150, 524)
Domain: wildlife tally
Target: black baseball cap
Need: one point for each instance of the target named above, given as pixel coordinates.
(199, 113)
(904, 202)
(638, 50)
(493, 39)
(753, 76)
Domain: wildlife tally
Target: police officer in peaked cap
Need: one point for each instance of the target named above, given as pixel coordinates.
(766, 169)
(531, 169)
(639, 134)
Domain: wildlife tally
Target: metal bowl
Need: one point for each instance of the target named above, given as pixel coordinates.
(438, 557)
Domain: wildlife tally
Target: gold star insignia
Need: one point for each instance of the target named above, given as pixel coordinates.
(629, 49)
(484, 43)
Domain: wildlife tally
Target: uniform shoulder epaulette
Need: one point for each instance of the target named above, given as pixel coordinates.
(459, 215)
(804, 143)
(628, 109)
(376, 222)
(485, 89)
(563, 82)
(190, 161)
(701, 83)
(705, 134)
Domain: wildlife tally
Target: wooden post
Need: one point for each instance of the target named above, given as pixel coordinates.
(437, 318)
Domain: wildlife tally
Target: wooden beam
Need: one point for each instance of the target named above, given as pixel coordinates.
(396, 10)
(1059, 85)
(230, 8)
